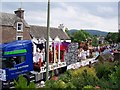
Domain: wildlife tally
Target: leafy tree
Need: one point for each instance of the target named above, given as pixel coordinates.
(112, 37)
(80, 35)
(119, 36)
(67, 31)
(94, 41)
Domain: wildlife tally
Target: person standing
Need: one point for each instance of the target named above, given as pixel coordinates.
(36, 61)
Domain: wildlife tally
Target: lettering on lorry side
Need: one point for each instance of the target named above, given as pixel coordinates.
(19, 67)
(19, 72)
(12, 69)
(23, 66)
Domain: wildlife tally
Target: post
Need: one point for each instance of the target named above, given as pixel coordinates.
(59, 52)
(48, 34)
(54, 51)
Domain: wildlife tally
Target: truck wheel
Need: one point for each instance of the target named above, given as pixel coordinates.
(26, 77)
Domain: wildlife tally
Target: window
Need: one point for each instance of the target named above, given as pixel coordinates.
(19, 38)
(19, 26)
(10, 62)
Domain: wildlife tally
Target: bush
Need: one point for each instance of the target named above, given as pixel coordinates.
(75, 79)
(84, 76)
(114, 78)
(103, 70)
(22, 83)
(59, 84)
(49, 84)
(104, 84)
(88, 87)
(78, 72)
(113, 81)
(70, 85)
(66, 77)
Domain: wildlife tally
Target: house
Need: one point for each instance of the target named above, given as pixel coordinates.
(14, 27)
(101, 40)
(41, 31)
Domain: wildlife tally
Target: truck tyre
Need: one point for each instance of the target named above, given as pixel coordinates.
(27, 78)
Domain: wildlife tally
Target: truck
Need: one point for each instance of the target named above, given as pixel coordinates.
(17, 59)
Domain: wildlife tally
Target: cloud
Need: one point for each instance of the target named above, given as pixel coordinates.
(38, 18)
(79, 15)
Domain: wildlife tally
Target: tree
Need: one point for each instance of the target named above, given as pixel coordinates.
(80, 36)
(94, 41)
(67, 31)
(119, 37)
(112, 37)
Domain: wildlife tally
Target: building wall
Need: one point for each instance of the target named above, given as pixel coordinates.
(9, 34)
(0, 34)
(26, 35)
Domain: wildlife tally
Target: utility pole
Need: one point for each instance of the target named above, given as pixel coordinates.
(48, 34)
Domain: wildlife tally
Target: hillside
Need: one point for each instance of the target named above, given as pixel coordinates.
(92, 32)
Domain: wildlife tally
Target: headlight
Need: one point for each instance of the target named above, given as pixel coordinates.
(2, 75)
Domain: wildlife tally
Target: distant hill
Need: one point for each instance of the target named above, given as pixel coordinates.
(73, 31)
(92, 32)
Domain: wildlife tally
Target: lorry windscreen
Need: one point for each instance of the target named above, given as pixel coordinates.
(10, 62)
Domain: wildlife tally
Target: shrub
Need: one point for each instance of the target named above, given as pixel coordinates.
(75, 79)
(78, 82)
(88, 87)
(113, 82)
(85, 77)
(66, 77)
(103, 70)
(55, 84)
(22, 83)
(70, 85)
(114, 78)
(79, 71)
(104, 84)
(49, 84)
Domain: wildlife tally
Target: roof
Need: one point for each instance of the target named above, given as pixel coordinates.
(41, 31)
(8, 19)
(101, 38)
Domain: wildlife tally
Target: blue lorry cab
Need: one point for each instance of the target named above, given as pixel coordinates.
(17, 58)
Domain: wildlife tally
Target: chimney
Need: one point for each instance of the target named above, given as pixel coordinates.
(20, 13)
(62, 27)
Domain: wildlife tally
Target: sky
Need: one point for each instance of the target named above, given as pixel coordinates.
(74, 15)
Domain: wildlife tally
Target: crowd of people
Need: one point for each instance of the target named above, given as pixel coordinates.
(111, 49)
(85, 50)
(96, 51)
(82, 54)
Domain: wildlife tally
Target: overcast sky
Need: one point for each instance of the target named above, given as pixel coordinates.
(74, 15)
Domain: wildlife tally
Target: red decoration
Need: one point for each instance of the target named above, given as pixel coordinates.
(40, 62)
